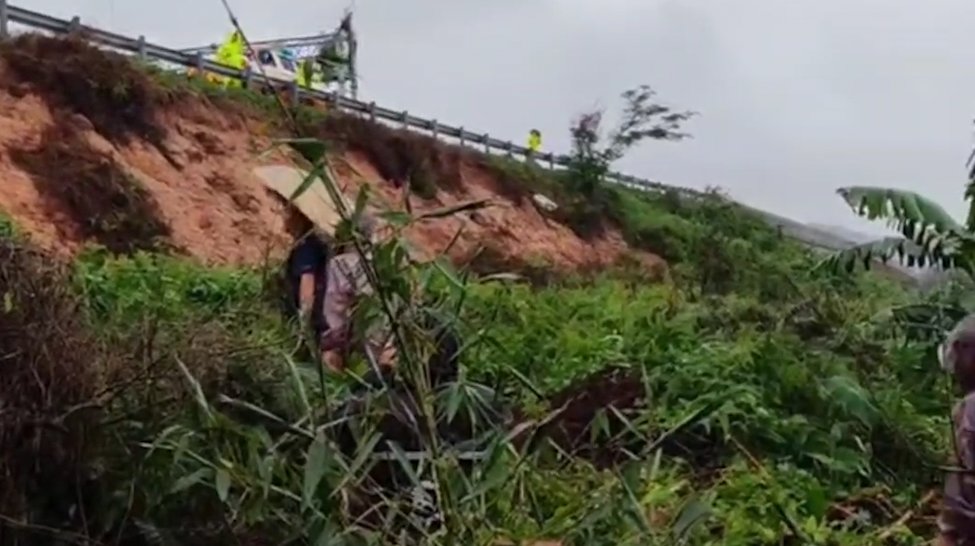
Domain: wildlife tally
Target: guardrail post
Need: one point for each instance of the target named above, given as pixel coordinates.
(551, 160)
(487, 143)
(295, 93)
(4, 20)
(74, 25)
(508, 147)
(198, 62)
(434, 129)
(141, 45)
(463, 142)
(372, 112)
(405, 115)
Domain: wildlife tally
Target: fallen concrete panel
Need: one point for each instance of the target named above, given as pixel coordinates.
(315, 203)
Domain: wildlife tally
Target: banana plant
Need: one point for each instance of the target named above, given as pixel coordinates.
(930, 237)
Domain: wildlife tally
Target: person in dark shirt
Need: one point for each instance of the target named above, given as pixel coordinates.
(957, 521)
(306, 273)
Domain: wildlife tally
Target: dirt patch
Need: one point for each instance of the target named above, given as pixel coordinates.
(518, 181)
(538, 272)
(120, 100)
(398, 155)
(580, 403)
(195, 158)
(589, 424)
(491, 261)
(103, 201)
(515, 231)
(209, 203)
(428, 164)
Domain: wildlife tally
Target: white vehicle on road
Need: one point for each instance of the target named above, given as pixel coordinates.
(333, 53)
(279, 64)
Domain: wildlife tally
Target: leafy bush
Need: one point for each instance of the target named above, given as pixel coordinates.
(821, 427)
(164, 287)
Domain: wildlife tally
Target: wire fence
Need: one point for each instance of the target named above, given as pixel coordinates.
(146, 51)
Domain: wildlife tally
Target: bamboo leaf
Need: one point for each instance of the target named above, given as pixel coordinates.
(882, 251)
(315, 174)
(200, 475)
(222, 484)
(312, 149)
(694, 512)
(315, 462)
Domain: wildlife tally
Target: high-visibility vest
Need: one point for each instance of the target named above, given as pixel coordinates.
(305, 74)
(534, 142)
(231, 52)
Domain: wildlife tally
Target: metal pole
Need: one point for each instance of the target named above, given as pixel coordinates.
(4, 28)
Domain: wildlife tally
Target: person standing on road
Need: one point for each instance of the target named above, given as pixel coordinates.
(534, 142)
(957, 521)
(232, 53)
(306, 73)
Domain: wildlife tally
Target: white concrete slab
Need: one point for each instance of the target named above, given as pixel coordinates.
(315, 203)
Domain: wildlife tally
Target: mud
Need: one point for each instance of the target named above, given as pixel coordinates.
(106, 203)
(594, 421)
(400, 156)
(194, 154)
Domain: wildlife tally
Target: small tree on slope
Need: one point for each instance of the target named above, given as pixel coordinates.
(642, 118)
(593, 154)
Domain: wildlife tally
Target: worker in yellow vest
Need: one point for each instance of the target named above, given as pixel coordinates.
(232, 54)
(306, 73)
(534, 142)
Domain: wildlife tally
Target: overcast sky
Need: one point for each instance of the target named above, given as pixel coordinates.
(796, 98)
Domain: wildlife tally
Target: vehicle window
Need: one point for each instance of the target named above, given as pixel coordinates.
(265, 57)
(288, 65)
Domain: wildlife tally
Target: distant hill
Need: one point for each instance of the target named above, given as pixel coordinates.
(855, 237)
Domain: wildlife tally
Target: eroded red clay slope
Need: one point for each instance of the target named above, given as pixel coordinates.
(78, 126)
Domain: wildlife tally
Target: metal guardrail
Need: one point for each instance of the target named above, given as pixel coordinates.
(147, 51)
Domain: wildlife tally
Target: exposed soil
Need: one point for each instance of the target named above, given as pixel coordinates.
(398, 155)
(106, 203)
(182, 163)
(594, 417)
(171, 172)
(515, 231)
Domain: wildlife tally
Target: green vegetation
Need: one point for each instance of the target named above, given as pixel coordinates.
(750, 398)
(928, 237)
